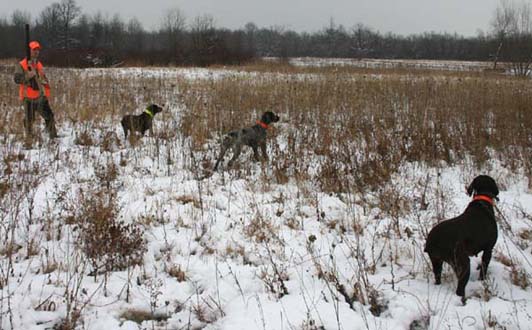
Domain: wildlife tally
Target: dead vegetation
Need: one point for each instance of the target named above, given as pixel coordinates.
(344, 133)
(364, 126)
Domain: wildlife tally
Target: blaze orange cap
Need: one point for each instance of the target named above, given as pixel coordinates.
(35, 45)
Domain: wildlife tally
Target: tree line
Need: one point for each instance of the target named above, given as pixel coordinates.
(73, 38)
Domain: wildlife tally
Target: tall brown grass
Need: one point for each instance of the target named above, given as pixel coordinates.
(360, 123)
(364, 126)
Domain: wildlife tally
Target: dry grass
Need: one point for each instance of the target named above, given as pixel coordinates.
(366, 126)
(364, 122)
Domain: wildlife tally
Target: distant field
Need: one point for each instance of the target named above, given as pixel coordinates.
(396, 64)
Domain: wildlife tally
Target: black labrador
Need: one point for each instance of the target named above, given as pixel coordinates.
(254, 137)
(475, 230)
(142, 122)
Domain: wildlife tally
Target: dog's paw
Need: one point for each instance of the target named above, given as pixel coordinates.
(458, 301)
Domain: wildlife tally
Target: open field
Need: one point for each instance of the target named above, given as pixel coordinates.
(101, 233)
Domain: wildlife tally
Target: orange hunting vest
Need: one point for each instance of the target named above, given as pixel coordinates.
(27, 91)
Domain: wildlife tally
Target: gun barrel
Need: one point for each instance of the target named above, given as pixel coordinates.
(27, 43)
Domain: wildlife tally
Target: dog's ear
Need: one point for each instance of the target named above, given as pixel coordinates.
(495, 189)
(470, 189)
(473, 186)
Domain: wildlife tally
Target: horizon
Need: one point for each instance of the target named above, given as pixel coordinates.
(411, 18)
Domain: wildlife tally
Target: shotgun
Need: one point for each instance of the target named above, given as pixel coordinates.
(27, 44)
(34, 82)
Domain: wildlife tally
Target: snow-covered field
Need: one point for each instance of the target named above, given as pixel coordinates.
(238, 249)
(369, 63)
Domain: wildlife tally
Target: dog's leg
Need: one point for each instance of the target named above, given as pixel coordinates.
(255, 148)
(437, 265)
(124, 128)
(462, 270)
(221, 155)
(486, 257)
(236, 152)
(263, 149)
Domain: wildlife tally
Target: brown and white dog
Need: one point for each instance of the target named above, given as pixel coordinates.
(254, 137)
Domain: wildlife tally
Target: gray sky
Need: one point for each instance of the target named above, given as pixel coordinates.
(465, 17)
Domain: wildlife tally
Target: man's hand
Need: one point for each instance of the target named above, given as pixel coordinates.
(44, 79)
(30, 74)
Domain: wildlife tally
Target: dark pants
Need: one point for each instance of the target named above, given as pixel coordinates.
(41, 106)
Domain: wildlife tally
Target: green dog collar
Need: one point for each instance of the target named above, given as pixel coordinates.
(149, 112)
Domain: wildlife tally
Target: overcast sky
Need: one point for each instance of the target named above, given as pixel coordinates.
(464, 17)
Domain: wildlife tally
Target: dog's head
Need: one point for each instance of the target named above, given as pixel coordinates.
(154, 108)
(269, 117)
(483, 185)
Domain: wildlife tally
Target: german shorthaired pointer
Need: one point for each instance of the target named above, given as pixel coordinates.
(254, 137)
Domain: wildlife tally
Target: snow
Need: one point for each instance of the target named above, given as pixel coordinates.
(232, 234)
(394, 63)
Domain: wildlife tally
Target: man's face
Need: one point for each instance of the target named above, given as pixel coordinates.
(35, 53)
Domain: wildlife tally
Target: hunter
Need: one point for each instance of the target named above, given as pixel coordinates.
(34, 91)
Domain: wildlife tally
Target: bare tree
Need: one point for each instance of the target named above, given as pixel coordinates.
(501, 24)
(203, 39)
(251, 30)
(135, 35)
(117, 31)
(81, 30)
(512, 28)
(68, 11)
(16, 34)
(19, 18)
(98, 35)
(270, 41)
(362, 39)
(172, 28)
(50, 23)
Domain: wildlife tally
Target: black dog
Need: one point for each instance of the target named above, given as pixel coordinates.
(142, 122)
(475, 230)
(254, 137)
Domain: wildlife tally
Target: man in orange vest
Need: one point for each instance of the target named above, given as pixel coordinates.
(34, 91)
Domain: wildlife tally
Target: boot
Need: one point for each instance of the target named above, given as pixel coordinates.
(52, 131)
(28, 142)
